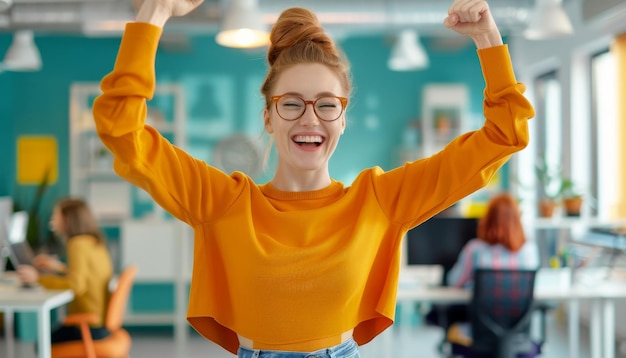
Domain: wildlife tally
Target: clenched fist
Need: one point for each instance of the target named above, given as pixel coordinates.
(157, 12)
(474, 19)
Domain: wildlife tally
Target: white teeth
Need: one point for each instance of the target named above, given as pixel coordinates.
(308, 139)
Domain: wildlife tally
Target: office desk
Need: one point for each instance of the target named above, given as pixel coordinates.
(13, 298)
(601, 296)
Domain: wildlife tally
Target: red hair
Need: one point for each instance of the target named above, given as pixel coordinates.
(502, 223)
(297, 37)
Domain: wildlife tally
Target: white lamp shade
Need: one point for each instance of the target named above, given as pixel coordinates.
(548, 20)
(408, 54)
(23, 54)
(5, 5)
(243, 26)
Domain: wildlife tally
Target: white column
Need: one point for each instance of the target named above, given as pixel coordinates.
(573, 327)
(43, 331)
(608, 316)
(8, 332)
(595, 329)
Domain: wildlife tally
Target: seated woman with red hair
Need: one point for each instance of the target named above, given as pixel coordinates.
(501, 244)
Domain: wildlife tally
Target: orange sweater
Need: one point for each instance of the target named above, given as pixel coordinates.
(89, 270)
(286, 267)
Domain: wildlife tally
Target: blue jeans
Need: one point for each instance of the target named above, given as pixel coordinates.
(347, 349)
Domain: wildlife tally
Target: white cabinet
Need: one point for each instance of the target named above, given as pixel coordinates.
(157, 243)
(444, 115)
(445, 112)
(163, 252)
(152, 245)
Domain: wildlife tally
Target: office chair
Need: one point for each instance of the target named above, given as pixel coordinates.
(118, 343)
(501, 309)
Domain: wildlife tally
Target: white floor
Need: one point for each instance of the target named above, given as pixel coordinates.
(403, 340)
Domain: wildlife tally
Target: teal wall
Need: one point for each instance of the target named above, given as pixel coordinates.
(6, 131)
(221, 85)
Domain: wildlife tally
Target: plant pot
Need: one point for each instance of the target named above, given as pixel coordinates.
(546, 208)
(572, 205)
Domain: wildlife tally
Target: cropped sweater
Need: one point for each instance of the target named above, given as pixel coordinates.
(89, 270)
(285, 267)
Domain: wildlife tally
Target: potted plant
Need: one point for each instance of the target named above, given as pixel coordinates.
(551, 187)
(571, 196)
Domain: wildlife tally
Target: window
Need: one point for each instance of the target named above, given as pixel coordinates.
(604, 137)
(549, 120)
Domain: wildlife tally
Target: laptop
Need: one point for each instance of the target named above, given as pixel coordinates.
(20, 251)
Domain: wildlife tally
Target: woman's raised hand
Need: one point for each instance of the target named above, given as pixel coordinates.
(157, 12)
(474, 19)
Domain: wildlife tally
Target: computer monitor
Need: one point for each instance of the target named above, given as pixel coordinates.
(6, 208)
(439, 241)
(20, 251)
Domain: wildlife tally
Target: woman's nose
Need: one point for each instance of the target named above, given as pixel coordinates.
(309, 117)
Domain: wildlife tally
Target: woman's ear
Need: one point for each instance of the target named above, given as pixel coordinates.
(267, 122)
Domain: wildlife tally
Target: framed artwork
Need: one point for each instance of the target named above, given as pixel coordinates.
(444, 114)
(37, 157)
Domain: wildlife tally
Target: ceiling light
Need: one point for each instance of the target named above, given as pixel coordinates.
(5, 5)
(547, 20)
(243, 26)
(408, 54)
(23, 54)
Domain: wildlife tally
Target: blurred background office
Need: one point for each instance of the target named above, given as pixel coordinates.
(417, 86)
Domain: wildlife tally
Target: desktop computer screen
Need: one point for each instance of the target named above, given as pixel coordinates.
(14, 244)
(6, 208)
(438, 241)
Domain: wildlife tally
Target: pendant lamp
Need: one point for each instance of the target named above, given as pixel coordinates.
(243, 26)
(408, 54)
(23, 54)
(548, 20)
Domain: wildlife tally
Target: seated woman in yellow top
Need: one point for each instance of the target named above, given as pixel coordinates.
(88, 268)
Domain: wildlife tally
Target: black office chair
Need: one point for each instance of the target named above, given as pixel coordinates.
(501, 309)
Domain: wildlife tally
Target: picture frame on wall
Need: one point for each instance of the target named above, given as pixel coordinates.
(444, 115)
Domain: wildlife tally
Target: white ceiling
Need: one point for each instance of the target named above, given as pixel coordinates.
(341, 17)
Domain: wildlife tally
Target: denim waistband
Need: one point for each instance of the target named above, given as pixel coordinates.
(347, 349)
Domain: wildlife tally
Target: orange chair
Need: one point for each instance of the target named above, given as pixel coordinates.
(117, 344)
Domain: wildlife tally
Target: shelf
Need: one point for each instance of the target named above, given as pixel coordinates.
(87, 125)
(149, 318)
(571, 222)
(114, 201)
(110, 220)
(98, 174)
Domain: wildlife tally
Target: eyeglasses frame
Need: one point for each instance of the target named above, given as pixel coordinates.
(343, 100)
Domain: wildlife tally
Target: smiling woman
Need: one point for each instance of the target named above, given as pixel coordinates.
(303, 264)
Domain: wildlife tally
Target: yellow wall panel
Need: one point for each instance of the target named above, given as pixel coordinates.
(619, 50)
(36, 155)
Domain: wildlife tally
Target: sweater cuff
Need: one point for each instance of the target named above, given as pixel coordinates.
(139, 41)
(497, 67)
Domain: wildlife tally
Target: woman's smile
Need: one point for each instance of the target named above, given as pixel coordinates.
(308, 142)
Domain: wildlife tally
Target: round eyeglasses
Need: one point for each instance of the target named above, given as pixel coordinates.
(291, 107)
